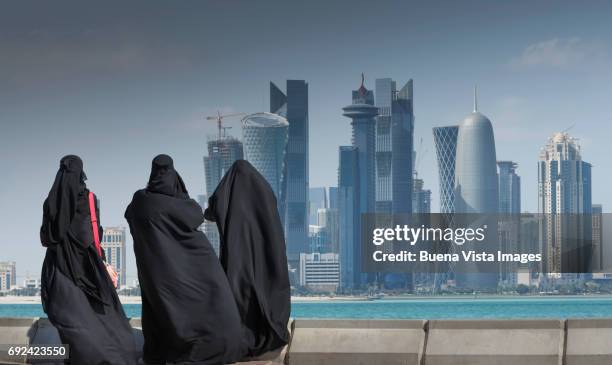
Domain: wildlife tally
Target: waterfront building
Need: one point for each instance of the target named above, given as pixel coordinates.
(293, 105)
(598, 250)
(476, 186)
(113, 244)
(8, 275)
(348, 218)
(421, 198)
(328, 219)
(362, 113)
(394, 147)
(509, 188)
(265, 142)
(223, 151)
(564, 192)
(320, 272)
(445, 140)
(317, 200)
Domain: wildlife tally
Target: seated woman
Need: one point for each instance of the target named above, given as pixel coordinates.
(253, 255)
(188, 311)
(77, 292)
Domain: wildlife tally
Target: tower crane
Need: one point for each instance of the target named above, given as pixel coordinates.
(219, 118)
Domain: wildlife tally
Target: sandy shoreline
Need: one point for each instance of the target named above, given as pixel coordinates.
(313, 299)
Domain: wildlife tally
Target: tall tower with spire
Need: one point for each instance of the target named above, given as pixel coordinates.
(356, 184)
(476, 184)
(362, 113)
(476, 189)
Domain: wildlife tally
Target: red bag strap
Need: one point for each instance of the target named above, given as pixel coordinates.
(94, 222)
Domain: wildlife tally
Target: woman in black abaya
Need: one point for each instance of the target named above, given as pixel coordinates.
(252, 252)
(77, 292)
(188, 312)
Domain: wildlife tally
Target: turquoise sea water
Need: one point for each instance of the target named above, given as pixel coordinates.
(443, 308)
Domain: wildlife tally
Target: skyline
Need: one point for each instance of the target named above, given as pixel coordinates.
(119, 87)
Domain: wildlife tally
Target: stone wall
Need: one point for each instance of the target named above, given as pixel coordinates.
(405, 342)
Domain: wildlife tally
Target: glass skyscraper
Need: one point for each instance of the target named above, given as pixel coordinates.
(294, 205)
(564, 192)
(445, 139)
(394, 146)
(222, 152)
(362, 113)
(348, 218)
(509, 188)
(265, 142)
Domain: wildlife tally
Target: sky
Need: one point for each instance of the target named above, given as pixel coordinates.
(120, 82)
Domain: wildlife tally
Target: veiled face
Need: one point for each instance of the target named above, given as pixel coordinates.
(164, 179)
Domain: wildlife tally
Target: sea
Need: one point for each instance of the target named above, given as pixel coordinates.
(430, 308)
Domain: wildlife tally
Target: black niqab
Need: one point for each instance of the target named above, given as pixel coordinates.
(69, 234)
(188, 311)
(77, 293)
(253, 255)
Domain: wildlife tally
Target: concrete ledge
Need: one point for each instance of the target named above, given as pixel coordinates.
(525, 342)
(589, 341)
(356, 342)
(419, 342)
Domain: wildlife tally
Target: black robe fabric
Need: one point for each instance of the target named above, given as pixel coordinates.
(77, 293)
(253, 255)
(188, 311)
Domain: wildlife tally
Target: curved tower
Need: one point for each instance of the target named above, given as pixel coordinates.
(476, 190)
(265, 142)
(476, 185)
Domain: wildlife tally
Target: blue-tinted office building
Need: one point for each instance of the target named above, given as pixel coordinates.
(293, 105)
(394, 147)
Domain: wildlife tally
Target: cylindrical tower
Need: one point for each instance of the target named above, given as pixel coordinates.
(265, 141)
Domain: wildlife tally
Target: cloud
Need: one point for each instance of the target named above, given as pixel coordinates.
(561, 53)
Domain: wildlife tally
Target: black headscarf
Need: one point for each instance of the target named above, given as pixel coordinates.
(165, 180)
(188, 310)
(66, 229)
(253, 255)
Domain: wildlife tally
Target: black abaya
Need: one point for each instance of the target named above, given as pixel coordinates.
(252, 252)
(77, 293)
(188, 311)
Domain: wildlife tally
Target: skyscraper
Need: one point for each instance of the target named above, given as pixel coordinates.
(348, 218)
(564, 192)
(8, 275)
(476, 187)
(509, 188)
(294, 205)
(598, 251)
(113, 243)
(265, 143)
(445, 139)
(222, 152)
(362, 113)
(394, 146)
(421, 198)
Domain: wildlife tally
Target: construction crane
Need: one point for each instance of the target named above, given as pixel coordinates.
(219, 118)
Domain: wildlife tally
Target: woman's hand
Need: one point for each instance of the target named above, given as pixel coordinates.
(112, 273)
